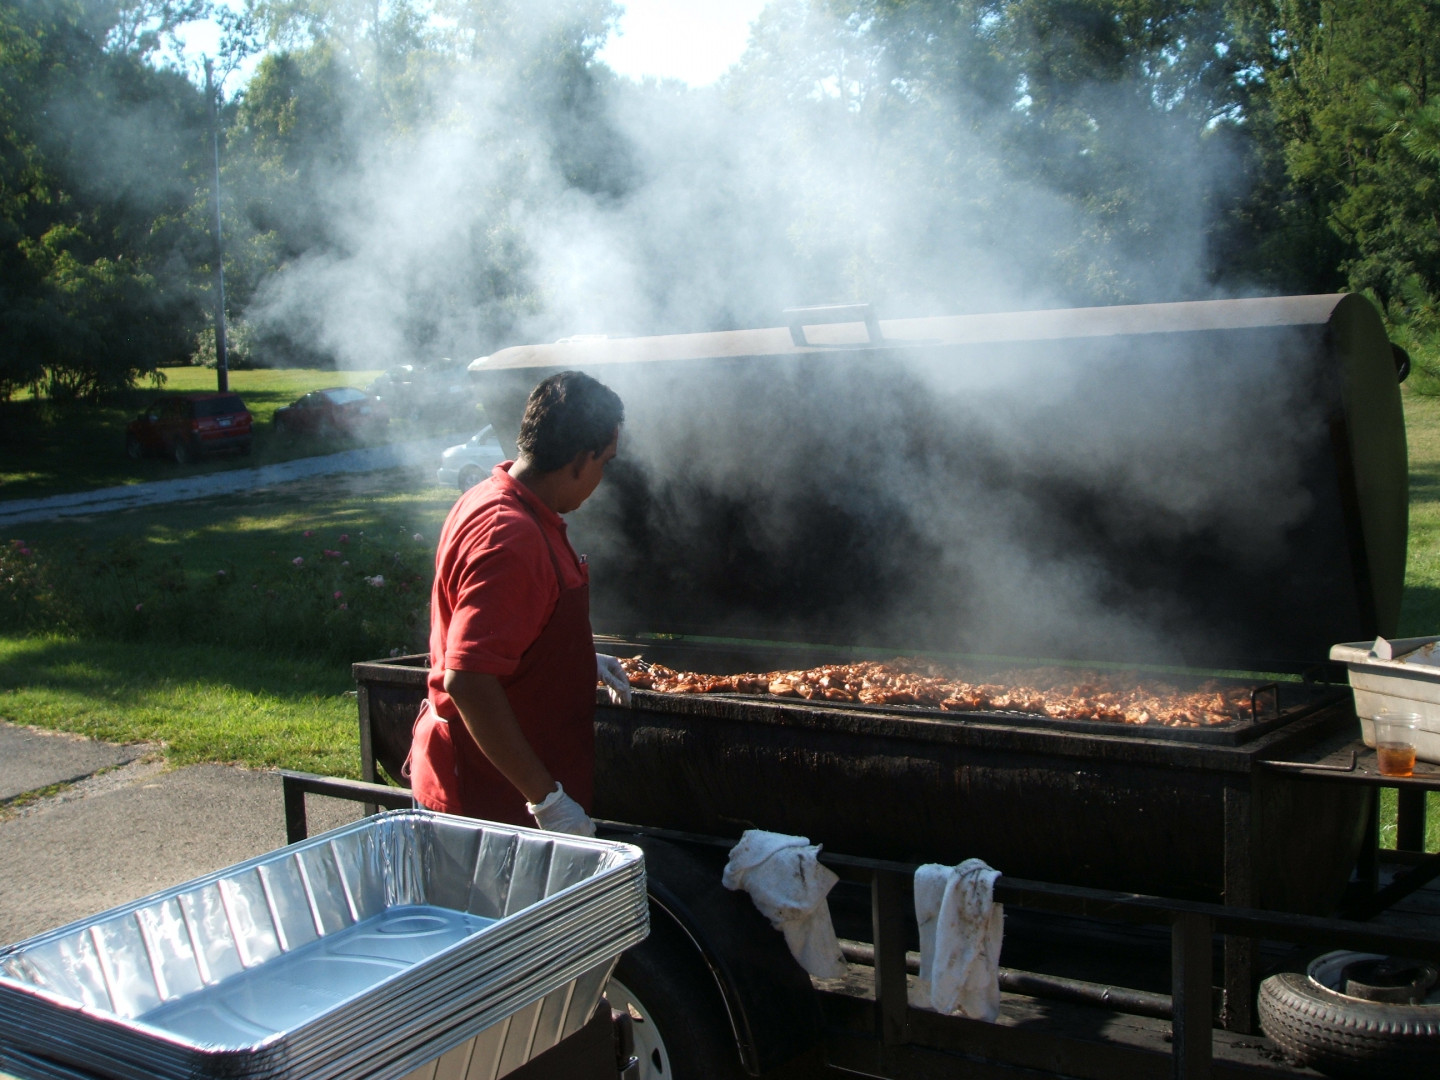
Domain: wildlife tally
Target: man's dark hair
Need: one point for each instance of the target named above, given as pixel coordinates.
(568, 414)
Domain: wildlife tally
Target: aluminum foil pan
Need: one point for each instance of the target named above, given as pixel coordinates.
(369, 951)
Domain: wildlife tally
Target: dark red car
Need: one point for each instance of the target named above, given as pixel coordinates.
(189, 426)
(336, 410)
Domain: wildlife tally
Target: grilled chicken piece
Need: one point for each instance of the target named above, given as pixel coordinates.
(1098, 697)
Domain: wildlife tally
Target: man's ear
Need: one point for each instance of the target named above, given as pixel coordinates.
(578, 463)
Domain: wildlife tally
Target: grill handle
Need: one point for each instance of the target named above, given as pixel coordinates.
(800, 317)
(1274, 691)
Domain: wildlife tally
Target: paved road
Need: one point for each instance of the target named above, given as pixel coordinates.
(422, 454)
(125, 826)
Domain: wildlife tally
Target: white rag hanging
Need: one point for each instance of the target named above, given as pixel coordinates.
(788, 885)
(960, 933)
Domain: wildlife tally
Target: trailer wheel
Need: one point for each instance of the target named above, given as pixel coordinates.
(1347, 1036)
(679, 1020)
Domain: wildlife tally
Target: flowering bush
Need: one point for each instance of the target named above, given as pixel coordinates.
(313, 604)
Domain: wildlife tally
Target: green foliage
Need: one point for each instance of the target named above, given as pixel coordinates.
(1089, 146)
(1347, 84)
(1152, 148)
(240, 354)
(98, 153)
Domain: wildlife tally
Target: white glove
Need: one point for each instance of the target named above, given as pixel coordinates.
(560, 813)
(609, 672)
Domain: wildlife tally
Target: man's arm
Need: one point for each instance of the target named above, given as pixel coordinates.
(491, 722)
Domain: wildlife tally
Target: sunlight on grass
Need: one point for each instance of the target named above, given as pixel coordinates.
(284, 380)
(248, 530)
(203, 704)
(1420, 610)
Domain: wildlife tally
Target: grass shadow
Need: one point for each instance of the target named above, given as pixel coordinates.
(101, 668)
(1419, 611)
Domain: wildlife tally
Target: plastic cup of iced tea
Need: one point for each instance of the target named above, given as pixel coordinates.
(1395, 742)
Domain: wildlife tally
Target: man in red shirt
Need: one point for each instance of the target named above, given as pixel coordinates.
(506, 732)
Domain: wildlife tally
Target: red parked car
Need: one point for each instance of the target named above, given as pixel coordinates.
(189, 426)
(336, 410)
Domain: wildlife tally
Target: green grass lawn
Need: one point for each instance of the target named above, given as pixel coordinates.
(47, 448)
(1420, 608)
(204, 704)
(245, 701)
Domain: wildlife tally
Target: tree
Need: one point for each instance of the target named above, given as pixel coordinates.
(1349, 89)
(99, 153)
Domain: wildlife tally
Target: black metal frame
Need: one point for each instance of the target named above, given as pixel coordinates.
(1190, 1006)
(1351, 762)
(897, 1024)
(296, 785)
(1241, 833)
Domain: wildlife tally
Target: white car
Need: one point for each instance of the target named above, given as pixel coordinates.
(470, 462)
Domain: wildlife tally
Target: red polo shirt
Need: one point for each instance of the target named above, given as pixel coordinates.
(495, 586)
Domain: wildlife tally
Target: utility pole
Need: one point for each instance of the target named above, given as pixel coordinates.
(222, 370)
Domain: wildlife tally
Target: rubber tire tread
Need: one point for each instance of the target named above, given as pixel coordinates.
(1343, 1037)
(670, 978)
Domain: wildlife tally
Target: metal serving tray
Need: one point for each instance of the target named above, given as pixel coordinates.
(369, 951)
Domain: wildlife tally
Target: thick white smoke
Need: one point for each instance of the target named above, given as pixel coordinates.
(804, 181)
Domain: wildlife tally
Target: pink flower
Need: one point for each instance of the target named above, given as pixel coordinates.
(298, 560)
(308, 533)
(344, 607)
(338, 594)
(344, 538)
(376, 582)
(330, 554)
(139, 606)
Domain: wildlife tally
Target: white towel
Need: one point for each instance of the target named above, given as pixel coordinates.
(960, 933)
(788, 886)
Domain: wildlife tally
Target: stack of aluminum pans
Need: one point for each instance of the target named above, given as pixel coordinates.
(373, 951)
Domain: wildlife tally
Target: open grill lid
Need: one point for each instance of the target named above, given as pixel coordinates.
(1210, 484)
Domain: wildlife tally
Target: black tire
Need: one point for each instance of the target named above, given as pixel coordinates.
(184, 452)
(1344, 1036)
(245, 448)
(281, 427)
(133, 450)
(682, 1031)
(470, 475)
